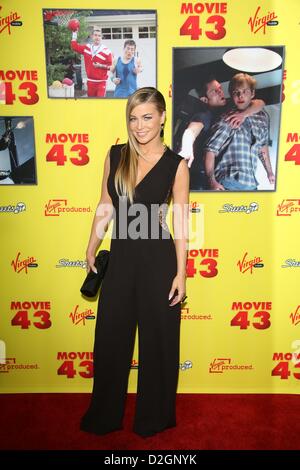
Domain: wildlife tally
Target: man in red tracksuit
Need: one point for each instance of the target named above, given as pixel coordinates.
(98, 60)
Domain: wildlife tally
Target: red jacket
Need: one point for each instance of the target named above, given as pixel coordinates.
(103, 56)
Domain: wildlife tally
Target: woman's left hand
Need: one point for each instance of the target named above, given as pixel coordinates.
(179, 285)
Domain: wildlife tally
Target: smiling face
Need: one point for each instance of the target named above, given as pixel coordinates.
(145, 123)
(242, 96)
(97, 36)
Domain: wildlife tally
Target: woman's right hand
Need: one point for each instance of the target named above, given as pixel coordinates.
(90, 263)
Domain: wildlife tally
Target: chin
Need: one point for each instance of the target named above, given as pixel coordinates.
(142, 140)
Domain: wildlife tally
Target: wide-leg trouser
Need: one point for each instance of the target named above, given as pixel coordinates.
(135, 293)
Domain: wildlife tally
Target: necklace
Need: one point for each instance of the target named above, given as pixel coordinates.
(148, 161)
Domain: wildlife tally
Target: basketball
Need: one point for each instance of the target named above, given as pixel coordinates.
(74, 24)
(67, 81)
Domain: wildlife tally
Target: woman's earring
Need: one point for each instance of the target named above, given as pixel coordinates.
(162, 131)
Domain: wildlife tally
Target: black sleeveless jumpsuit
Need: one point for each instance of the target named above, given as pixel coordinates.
(135, 293)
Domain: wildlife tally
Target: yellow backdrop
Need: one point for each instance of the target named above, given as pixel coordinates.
(240, 330)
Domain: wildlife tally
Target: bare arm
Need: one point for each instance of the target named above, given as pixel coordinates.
(103, 215)
(255, 107)
(74, 44)
(113, 77)
(265, 159)
(209, 165)
(180, 226)
(113, 67)
(237, 118)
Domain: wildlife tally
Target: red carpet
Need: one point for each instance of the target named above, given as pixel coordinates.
(211, 422)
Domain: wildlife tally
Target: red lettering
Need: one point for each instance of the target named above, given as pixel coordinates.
(251, 305)
(186, 8)
(213, 253)
(204, 252)
(63, 138)
(15, 305)
(292, 137)
(282, 370)
(41, 305)
(293, 155)
(199, 7)
(21, 75)
(61, 356)
(51, 138)
(237, 306)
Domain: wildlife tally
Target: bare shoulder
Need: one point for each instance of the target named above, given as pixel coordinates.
(181, 181)
(107, 162)
(182, 171)
(183, 168)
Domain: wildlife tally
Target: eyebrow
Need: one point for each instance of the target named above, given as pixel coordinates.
(147, 114)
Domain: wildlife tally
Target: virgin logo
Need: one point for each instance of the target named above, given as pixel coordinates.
(247, 265)
(257, 22)
(23, 264)
(295, 317)
(5, 21)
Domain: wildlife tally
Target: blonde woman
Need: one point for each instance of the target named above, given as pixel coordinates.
(145, 281)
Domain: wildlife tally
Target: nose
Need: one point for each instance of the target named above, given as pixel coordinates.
(139, 124)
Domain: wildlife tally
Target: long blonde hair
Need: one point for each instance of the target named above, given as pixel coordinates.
(126, 173)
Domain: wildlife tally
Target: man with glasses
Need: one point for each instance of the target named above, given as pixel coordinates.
(230, 154)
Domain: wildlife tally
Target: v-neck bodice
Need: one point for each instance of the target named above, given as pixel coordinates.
(152, 168)
(152, 194)
(155, 186)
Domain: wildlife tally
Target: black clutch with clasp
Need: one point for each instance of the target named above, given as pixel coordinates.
(93, 280)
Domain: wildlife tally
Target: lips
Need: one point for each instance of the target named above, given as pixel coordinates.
(141, 134)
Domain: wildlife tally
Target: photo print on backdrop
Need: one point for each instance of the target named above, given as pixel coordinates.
(226, 115)
(99, 53)
(17, 151)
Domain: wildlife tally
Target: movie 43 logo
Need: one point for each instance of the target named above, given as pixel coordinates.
(198, 24)
(39, 319)
(282, 369)
(76, 364)
(259, 320)
(206, 266)
(77, 150)
(25, 92)
(293, 155)
(254, 313)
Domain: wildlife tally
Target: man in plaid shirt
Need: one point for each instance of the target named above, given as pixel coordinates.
(230, 155)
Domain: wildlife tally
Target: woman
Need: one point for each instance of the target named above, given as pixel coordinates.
(145, 280)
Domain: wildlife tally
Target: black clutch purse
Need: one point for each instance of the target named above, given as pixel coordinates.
(93, 281)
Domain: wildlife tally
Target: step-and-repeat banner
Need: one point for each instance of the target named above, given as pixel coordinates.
(229, 72)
